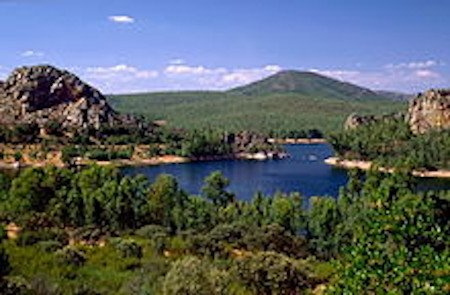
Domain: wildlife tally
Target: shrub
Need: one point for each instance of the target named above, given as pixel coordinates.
(3, 235)
(127, 247)
(28, 237)
(5, 267)
(49, 246)
(71, 255)
(272, 273)
(192, 276)
(151, 231)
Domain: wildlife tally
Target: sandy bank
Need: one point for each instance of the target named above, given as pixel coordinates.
(297, 140)
(160, 160)
(366, 165)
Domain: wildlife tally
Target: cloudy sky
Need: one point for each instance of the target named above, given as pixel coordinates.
(144, 45)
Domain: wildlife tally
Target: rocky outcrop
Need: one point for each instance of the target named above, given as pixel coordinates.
(430, 110)
(43, 94)
(354, 120)
(246, 141)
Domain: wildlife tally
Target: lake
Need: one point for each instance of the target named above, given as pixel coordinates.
(304, 171)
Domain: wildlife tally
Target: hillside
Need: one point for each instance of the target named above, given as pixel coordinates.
(399, 96)
(306, 83)
(286, 101)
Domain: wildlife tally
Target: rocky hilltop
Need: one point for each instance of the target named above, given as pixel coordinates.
(427, 111)
(430, 110)
(44, 94)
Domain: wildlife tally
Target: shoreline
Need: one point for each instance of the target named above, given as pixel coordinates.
(367, 165)
(297, 140)
(155, 161)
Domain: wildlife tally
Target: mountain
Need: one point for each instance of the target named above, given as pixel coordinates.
(393, 95)
(284, 102)
(307, 83)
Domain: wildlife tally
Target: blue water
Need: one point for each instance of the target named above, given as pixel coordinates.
(304, 171)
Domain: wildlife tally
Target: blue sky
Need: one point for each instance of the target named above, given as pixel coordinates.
(144, 45)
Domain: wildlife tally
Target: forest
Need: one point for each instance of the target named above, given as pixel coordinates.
(93, 230)
(390, 143)
(268, 113)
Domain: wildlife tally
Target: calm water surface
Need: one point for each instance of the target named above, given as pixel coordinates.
(303, 172)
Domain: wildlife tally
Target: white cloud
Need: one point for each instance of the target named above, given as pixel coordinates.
(118, 78)
(427, 74)
(409, 77)
(121, 71)
(32, 53)
(217, 78)
(181, 69)
(177, 61)
(243, 76)
(123, 19)
(414, 65)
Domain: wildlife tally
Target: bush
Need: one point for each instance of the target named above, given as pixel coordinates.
(5, 267)
(192, 276)
(3, 234)
(151, 231)
(28, 237)
(272, 273)
(49, 246)
(71, 255)
(127, 248)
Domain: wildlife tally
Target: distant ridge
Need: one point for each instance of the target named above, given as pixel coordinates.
(397, 96)
(307, 83)
(287, 101)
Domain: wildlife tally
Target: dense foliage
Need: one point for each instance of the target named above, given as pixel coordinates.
(95, 231)
(277, 113)
(391, 143)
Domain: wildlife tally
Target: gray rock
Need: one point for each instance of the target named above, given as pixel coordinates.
(41, 94)
(430, 110)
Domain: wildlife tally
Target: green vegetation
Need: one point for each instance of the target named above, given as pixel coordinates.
(267, 113)
(391, 143)
(281, 104)
(95, 231)
(308, 84)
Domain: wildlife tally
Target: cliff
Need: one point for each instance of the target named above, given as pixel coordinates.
(430, 110)
(45, 95)
(427, 111)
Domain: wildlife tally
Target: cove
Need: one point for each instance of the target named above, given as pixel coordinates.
(304, 172)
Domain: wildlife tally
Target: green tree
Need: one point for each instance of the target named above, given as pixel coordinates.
(400, 243)
(272, 273)
(215, 189)
(323, 221)
(165, 199)
(193, 276)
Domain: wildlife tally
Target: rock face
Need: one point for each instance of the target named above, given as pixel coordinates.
(430, 110)
(354, 120)
(44, 94)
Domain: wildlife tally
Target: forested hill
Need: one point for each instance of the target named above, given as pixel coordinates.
(307, 83)
(286, 101)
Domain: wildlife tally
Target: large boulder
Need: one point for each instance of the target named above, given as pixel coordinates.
(354, 120)
(43, 94)
(430, 110)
